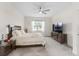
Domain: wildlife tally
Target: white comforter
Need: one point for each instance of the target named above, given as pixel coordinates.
(29, 39)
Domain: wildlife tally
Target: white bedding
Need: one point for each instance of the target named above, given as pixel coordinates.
(23, 38)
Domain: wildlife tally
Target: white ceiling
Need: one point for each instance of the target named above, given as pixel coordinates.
(30, 8)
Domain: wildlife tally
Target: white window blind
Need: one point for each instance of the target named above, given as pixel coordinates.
(38, 25)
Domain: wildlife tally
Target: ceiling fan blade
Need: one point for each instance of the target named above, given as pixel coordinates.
(47, 10)
(44, 12)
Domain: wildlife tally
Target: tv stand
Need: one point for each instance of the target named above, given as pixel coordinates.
(60, 37)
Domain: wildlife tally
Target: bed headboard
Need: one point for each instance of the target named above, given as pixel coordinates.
(16, 27)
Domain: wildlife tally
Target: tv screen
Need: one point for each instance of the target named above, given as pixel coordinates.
(58, 27)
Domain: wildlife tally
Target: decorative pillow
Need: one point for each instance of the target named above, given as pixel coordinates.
(14, 34)
(18, 33)
(22, 32)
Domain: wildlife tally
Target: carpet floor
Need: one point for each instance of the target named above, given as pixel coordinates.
(52, 48)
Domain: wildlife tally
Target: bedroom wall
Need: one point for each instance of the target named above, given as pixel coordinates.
(67, 16)
(48, 23)
(70, 18)
(9, 15)
(76, 30)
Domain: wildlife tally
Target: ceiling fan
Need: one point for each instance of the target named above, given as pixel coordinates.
(42, 9)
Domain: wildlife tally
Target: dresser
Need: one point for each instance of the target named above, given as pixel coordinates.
(60, 37)
(6, 48)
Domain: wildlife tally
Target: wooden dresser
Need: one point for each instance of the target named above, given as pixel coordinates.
(60, 37)
(6, 48)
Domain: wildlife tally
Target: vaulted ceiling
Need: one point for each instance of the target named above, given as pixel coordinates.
(31, 8)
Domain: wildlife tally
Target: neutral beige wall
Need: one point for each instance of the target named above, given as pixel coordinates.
(67, 18)
(48, 24)
(9, 15)
(70, 17)
(76, 30)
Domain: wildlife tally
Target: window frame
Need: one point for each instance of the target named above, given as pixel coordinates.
(37, 28)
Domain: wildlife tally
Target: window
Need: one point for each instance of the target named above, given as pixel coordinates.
(38, 25)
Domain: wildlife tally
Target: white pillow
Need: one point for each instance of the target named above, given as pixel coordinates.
(22, 32)
(18, 33)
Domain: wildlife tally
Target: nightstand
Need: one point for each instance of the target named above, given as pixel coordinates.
(6, 48)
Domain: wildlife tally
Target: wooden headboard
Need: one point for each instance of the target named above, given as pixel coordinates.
(16, 27)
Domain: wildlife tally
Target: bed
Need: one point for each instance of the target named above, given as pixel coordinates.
(25, 39)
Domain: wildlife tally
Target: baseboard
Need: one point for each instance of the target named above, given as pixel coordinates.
(47, 36)
(19, 46)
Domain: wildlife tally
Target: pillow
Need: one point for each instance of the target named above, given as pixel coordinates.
(18, 33)
(22, 32)
(14, 34)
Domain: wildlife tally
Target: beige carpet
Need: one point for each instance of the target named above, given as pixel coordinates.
(52, 48)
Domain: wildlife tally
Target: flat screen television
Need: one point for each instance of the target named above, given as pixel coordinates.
(58, 27)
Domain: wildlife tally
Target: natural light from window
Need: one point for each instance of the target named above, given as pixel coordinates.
(38, 26)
